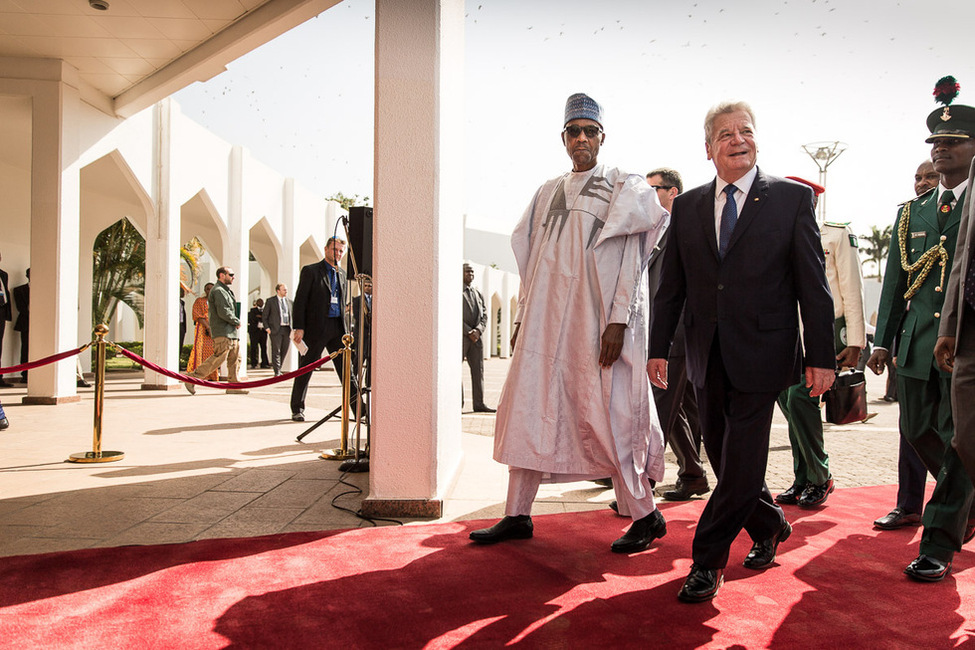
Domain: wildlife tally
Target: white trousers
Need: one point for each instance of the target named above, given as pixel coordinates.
(523, 486)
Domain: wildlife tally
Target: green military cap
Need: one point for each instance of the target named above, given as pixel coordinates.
(951, 121)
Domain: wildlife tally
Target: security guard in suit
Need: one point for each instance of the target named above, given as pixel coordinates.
(921, 251)
(813, 483)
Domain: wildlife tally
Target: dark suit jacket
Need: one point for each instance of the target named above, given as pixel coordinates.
(653, 273)
(312, 299)
(272, 313)
(5, 311)
(475, 316)
(750, 300)
(22, 300)
(366, 325)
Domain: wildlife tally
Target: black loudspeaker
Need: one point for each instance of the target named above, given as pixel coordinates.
(360, 237)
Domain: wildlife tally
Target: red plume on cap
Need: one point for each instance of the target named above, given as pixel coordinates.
(946, 90)
(816, 187)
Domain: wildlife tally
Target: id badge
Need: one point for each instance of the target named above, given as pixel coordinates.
(335, 300)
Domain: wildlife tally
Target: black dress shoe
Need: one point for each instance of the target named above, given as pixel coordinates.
(641, 533)
(84, 383)
(928, 569)
(897, 518)
(604, 482)
(484, 409)
(298, 417)
(816, 495)
(791, 496)
(684, 491)
(4, 424)
(762, 554)
(614, 506)
(4, 384)
(517, 527)
(701, 584)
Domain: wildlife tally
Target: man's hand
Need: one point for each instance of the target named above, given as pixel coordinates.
(818, 380)
(297, 335)
(474, 335)
(878, 361)
(657, 372)
(849, 357)
(514, 336)
(612, 344)
(944, 353)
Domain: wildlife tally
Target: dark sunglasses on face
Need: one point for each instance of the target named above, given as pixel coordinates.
(591, 131)
(662, 187)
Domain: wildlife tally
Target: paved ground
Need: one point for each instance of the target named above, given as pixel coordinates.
(218, 465)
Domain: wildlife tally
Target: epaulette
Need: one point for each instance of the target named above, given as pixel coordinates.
(916, 198)
(837, 224)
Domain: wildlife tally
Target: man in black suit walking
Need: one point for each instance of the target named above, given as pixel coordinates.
(277, 318)
(319, 317)
(744, 255)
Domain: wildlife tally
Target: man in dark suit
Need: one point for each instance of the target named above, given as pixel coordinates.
(5, 315)
(475, 321)
(363, 340)
(319, 318)
(22, 324)
(278, 311)
(676, 406)
(743, 254)
(257, 335)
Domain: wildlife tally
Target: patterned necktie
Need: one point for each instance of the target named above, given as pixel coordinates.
(3, 295)
(944, 208)
(729, 216)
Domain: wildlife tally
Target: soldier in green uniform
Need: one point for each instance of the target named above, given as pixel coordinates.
(921, 251)
(813, 483)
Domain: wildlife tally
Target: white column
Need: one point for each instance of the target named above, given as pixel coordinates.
(55, 223)
(238, 251)
(162, 259)
(288, 262)
(418, 228)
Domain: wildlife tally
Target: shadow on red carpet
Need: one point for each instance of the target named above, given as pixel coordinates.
(837, 583)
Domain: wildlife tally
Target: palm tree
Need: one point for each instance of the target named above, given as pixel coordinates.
(119, 273)
(875, 246)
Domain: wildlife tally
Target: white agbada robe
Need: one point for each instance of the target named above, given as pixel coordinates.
(582, 248)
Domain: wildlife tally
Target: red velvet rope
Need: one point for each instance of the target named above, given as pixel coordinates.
(54, 358)
(215, 384)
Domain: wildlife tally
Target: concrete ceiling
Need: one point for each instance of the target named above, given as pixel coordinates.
(139, 51)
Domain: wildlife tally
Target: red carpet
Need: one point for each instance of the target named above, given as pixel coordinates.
(837, 583)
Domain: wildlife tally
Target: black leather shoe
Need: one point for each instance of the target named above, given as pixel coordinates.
(4, 424)
(928, 569)
(701, 584)
(791, 496)
(518, 527)
(897, 518)
(684, 491)
(298, 417)
(5, 384)
(641, 533)
(762, 554)
(604, 482)
(484, 409)
(816, 495)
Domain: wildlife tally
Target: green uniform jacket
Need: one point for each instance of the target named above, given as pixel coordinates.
(223, 316)
(915, 322)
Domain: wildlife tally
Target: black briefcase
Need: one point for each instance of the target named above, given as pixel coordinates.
(846, 401)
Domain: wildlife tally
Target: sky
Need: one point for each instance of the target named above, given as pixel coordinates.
(861, 73)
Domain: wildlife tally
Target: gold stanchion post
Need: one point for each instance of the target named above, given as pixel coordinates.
(96, 455)
(344, 453)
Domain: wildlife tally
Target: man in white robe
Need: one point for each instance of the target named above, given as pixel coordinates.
(576, 404)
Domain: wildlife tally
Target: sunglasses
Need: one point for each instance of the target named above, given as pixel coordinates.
(574, 131)
(662, 187)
